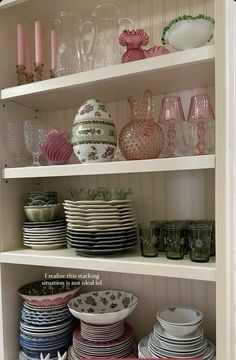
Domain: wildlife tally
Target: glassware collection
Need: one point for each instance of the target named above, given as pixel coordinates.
(94, 135)
(59, 319)
(78, 45)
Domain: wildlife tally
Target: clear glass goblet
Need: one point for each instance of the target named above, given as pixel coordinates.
(14, 140)
(34, 135)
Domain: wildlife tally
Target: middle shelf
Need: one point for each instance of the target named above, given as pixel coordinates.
(129, 263)
(115, 167)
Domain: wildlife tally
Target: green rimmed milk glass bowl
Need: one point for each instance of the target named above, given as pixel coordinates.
(148, 240)
(200, 236)
(174, 234)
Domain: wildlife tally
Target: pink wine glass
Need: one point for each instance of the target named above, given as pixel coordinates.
(201, 112)
(171, 114)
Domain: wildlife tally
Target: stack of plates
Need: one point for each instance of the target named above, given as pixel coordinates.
(44, 330)
(121, 347)
(100, 227)
(44, 235)
(100, 332)
(178, 334)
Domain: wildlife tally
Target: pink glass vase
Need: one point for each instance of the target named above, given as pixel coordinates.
(142, 137)
(133, 40)
(56, 147)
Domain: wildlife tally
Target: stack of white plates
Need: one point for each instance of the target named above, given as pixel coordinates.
(44, 235)
(177, 334)
(100, 227)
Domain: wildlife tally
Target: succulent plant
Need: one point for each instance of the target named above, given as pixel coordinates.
(39, 198)
(101, 193)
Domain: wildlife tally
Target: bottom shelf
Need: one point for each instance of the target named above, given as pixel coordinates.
(131, 263)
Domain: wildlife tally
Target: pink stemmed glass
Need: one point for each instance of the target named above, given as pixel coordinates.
(171, 115)
(201, 112)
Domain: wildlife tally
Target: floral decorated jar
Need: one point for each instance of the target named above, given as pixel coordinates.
(94, 133)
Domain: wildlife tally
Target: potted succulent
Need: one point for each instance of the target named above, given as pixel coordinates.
(42, 206)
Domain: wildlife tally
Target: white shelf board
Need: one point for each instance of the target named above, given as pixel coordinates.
(115, 167)
(129, 263)
(177, 71)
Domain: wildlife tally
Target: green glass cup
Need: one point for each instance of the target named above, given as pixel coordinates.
(148, 240)
(158, 229)
(200, 236)
(174, 235)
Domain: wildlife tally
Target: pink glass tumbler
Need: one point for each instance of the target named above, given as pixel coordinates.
(171, 115)
(201, 112)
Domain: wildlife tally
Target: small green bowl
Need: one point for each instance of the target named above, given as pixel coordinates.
(42, 213)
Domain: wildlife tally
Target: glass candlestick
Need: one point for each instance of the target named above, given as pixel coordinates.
(38, 68)
(29, 78)
(20, 70)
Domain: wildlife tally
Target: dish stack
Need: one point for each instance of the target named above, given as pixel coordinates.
(44, 235)
(43, 231)
(177, 334)
(97, 227)
(46, 324)
(103, 332)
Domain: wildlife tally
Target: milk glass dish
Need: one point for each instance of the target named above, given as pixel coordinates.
(187, 32)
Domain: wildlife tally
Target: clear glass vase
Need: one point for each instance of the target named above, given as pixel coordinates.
(142, 137)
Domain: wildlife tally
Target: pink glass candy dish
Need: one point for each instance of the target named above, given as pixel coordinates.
(142, 137)
(156, 51)
(56, 147)
(133, 40)
(200, 114)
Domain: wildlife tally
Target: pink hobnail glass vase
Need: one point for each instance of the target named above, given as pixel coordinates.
(142, 137)
(133, 40)
(56, 147)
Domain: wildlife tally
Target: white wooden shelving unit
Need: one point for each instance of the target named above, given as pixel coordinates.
(185, 187)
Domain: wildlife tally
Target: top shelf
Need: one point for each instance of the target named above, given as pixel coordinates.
(187, 69)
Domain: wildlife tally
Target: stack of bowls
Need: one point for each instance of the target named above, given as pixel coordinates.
(98, 227)
(46, 324)
(103, 332)
(177, 334)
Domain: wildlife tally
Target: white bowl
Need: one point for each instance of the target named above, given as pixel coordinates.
(187, 32)
(181, 330)
(103, 307)
(179, 315)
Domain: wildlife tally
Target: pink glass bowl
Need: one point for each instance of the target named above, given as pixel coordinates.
(56, 148)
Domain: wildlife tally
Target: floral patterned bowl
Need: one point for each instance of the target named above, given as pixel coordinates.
(49, 292)
(103, 307)
(187, 32)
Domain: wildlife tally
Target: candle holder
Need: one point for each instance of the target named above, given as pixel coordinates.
(52, 73)
(20, 70)
(38, 68)
(29, 78)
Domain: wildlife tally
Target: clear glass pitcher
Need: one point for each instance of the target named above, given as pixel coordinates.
(108, 26)
(70, 52)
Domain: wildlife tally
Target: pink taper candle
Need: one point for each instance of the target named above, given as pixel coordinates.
(20, 45)
(38, 42)
(53, 49)
(28, 56)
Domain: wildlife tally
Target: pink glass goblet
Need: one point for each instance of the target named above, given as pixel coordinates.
(200, 113)
(171, 115)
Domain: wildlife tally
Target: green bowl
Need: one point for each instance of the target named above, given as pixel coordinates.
(42, 213)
